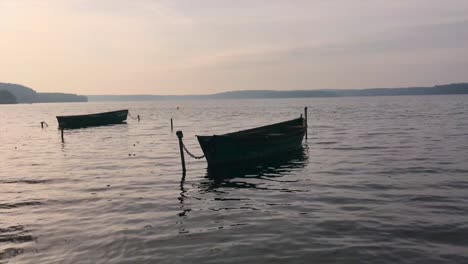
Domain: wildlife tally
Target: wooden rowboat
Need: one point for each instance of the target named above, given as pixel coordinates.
(97, 119)
(253, 144)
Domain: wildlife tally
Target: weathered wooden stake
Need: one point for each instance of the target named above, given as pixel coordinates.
(180, 135)
(138, 117)
(305, 115)
(172, 126)
(42, 125)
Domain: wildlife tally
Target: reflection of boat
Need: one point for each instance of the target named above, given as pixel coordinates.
(276, 166)
(98, 119)
(253, 144)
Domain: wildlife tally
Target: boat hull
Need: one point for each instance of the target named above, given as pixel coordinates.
(275, 166)
(253, 144)
(98, 119)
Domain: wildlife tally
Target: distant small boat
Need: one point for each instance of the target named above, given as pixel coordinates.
(253, 144)
(89, 120)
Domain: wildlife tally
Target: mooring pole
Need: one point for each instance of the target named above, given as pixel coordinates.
(42, 125)
(172, 125)
(61, 134)
(138, 116)
(305, 115)
(180, 135)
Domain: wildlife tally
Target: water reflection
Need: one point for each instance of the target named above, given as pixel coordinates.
(271, 170)
(182, 197)
(216, 189)
(11, 239)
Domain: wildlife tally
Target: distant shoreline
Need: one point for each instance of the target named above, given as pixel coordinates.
(14, 93)
(457, 88)
(11, 93)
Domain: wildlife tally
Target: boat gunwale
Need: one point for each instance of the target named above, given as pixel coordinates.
(250, 131)
(95, 114)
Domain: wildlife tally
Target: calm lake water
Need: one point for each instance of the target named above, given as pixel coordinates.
(380, 180)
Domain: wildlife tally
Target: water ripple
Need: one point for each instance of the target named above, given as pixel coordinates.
(380, 179)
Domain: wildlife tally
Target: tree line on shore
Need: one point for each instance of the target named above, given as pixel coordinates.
(14, 93)
(456, 88)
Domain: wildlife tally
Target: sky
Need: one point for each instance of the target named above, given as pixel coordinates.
(208, 46)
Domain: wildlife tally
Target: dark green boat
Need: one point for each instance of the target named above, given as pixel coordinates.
(253, 144)
(98, 119)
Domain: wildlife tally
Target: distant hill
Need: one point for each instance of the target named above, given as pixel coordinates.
(22, 93)
(457, 88)
(60, 97)
(7, 98)
(27, 95)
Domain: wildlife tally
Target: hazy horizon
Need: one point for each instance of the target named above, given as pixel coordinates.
(180, 47)
(278, 90)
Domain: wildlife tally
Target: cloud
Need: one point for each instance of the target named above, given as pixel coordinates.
(183, 46)
(418, 55)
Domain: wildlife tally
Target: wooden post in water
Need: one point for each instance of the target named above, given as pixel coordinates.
(42, 124)
(172, 126)
(305, 115)
(138, 117)
(180, 135)
(61, 134)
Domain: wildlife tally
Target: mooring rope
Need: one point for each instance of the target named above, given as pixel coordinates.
(190, 154)
(134, 118)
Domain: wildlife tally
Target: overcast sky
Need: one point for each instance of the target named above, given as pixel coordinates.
(206, 46)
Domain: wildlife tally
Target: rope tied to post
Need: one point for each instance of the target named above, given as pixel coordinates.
(134, 118)
(190, 154)
(182, 147)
